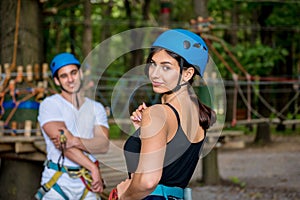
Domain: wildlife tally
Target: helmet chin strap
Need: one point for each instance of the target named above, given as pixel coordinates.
(76, 92)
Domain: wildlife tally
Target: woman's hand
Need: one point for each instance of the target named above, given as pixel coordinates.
(122, 187)
(136, 116)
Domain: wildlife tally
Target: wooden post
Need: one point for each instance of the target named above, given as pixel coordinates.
(27, 128)
(29, 73)
(7, 71)
(45, 75)
(1, 128)
(37, 72)
(210, 174)
(40, 93)
(13, 126)
(19, 77)
(12, 88)
(45, 71)
(38, 129)
(7, 75)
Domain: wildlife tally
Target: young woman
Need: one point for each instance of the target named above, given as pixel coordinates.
(162, 154)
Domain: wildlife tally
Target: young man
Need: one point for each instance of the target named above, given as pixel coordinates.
(74, 127)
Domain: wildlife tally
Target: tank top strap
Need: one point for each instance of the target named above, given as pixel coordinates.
(175, 111)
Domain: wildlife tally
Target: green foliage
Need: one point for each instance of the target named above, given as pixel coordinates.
(237, 181)
(285, 15)
(182, 11)
(114, 132)
(259, 59)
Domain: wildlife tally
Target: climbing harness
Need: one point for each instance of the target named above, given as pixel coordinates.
(73, 172)
(162, 190)
(166, 191)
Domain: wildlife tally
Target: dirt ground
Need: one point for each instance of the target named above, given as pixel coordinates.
(270, 172)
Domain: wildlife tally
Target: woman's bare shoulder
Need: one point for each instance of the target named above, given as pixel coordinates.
(155, 117)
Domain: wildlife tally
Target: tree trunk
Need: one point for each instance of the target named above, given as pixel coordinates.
(29, 40)
(210, 174)
(263, 134)
(200, 8)
(235, 21)
(87, 32)
(21, 43)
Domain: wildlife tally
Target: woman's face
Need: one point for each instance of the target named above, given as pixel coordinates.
(163, 72)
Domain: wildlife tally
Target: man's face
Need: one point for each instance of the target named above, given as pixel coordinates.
(69, 78)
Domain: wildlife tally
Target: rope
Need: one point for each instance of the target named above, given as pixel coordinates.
(256, 113)
(17, 105)
(234, 106)
(234, 59)
(247, 100)
(248, 97)
(211, 47)
(272, 109)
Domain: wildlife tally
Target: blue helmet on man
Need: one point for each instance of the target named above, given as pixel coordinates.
(61, 60)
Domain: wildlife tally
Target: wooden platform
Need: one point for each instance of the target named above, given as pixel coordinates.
(22, 147)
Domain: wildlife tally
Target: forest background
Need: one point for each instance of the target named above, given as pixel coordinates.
(263, 35)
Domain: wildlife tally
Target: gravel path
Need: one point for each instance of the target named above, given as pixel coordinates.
(269, 173)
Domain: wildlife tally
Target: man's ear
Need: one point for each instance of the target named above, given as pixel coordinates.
(56, 81)
(81, 74)
(188, 74)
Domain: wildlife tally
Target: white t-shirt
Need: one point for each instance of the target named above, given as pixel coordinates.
(80, 122)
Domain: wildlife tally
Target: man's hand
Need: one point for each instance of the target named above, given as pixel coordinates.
(70, 140)
(97, 185)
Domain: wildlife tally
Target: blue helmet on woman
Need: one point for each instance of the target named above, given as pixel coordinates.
(61, 60)
(186, 44)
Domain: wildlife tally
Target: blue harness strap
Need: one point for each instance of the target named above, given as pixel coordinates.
(60, 191)
(166, 191)
(52, 182)
(56, 167)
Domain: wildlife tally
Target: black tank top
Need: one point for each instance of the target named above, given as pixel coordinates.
(181, 156)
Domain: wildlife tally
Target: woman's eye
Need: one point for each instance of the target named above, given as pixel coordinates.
(152, 64)
(165, 68)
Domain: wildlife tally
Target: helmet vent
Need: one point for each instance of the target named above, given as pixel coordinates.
(53, 64)
(197, 45)
(186, 44)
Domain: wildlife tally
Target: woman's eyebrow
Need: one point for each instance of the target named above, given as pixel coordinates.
(163, 62)
(166, 62)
